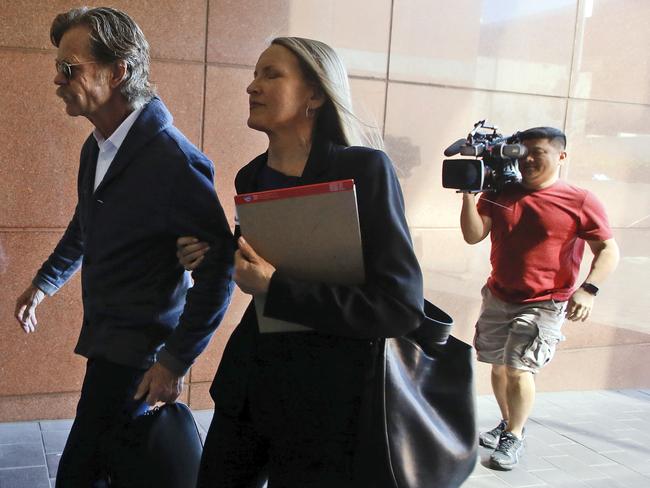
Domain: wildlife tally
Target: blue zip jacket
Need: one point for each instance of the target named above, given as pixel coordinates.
(139, 303)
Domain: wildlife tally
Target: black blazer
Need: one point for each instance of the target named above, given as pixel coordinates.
(345, 319)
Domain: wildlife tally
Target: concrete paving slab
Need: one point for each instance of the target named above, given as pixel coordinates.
(555, 476)
(578, 469)
(54, 440)
(585, 455)
(19, 433)
(21, 455)
(52, 464)
(47, 425)
(520, 478)
(24, 478)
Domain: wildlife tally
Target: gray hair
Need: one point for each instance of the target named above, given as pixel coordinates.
(114, 36)
(335, 119)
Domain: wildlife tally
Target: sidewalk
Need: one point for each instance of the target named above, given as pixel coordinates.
(591, 439)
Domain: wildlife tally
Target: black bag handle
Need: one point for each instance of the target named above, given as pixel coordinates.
(436, 327)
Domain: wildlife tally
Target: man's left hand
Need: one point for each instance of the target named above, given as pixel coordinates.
(160, 385)
(580, 305)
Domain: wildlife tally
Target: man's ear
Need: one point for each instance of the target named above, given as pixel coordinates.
(118, 73)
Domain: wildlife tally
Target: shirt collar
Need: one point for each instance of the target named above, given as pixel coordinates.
(117, 137)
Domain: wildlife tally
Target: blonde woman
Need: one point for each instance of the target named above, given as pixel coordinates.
(287, 405)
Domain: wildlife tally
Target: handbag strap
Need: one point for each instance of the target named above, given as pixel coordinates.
(436, 326)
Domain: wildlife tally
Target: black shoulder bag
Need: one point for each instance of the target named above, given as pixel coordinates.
(423, 411)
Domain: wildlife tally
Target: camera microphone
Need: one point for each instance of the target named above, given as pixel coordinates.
(455, 147)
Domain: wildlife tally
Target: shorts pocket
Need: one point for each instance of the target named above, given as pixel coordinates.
(559, 307)
(540, 351)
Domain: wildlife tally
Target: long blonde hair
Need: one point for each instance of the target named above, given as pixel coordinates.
(335, 119)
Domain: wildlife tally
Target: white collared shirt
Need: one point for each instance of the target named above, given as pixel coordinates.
(108, 147)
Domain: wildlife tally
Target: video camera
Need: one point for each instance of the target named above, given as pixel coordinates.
(495, 164)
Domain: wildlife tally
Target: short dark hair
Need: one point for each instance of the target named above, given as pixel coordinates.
(555, 136)
(114, 36)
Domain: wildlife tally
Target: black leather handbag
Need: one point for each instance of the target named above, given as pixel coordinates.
(160, 449)
(425, 418)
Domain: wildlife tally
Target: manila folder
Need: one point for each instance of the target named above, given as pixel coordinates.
(307, 232)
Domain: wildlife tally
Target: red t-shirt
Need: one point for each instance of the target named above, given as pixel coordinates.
(538, 239)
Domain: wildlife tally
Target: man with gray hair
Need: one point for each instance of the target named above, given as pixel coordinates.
(141, 184)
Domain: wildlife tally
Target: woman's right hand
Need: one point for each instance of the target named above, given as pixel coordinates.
(190, 252)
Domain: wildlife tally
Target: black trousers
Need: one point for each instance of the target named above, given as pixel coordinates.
(106, 406)
(235, 455)
(299, 422)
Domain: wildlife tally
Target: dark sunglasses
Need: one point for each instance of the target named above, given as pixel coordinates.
(65, 68)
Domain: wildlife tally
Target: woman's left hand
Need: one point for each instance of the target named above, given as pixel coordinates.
(252, 273)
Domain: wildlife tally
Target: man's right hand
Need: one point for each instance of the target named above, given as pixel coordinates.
(26, 304)
(474, 226)
(190, 252)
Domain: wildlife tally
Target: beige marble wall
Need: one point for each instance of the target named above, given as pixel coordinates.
(424, 72)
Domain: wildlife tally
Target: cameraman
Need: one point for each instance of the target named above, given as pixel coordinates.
(538, 229)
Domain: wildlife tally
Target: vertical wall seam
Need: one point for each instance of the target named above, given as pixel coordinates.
(574, 47)
(390, 45)
(205, 73)
(202, 135)
(564, 170)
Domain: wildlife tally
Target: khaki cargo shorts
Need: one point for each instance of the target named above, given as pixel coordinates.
(520, 335)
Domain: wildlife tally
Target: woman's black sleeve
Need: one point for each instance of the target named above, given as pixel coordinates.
(390, 301)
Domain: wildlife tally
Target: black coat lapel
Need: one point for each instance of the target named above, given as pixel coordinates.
(88, 167)
(90, 160)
